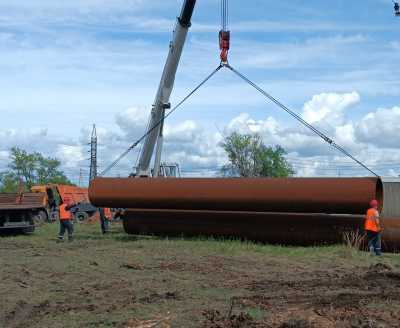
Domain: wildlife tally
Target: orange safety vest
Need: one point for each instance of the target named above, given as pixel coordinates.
(370, 220)
(64, 214)
(107, 213)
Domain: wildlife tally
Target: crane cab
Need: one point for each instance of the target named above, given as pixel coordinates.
(167, 170)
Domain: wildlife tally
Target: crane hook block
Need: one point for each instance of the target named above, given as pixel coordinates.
(396, 9)
(224, 44)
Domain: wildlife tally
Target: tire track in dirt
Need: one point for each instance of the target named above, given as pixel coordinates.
(342, 300)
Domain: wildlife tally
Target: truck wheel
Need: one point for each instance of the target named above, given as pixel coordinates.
(41, 217)
(54, 216)
(81, 216)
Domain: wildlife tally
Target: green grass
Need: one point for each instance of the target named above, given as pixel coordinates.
(88, 233)
(105, 280)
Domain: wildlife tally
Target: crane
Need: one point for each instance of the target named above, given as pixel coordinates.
(153, 138)
(161, 103)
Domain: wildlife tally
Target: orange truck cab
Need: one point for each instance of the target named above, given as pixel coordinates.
(56, 195)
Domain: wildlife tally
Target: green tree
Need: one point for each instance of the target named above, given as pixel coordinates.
(32, 169)
(9, 182)
(250, 157)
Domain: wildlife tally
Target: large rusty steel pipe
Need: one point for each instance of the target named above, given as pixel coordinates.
(391, 233)
(301, 195)
(304, 229)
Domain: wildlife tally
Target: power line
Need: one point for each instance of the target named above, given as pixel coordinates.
(325, 168)
(325, 162)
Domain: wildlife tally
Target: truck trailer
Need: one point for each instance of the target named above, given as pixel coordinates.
(20, 211)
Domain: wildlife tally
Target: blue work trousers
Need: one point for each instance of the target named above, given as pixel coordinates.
(374, 242)
(66, 225)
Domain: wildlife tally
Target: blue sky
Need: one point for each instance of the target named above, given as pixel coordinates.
(68, 65)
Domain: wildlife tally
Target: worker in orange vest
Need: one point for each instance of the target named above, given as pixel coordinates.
(373, 228)
(105, 218)
(66, 219)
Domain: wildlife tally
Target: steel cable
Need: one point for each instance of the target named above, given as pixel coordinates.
(119, 158)
(301, 120)
(224, 15)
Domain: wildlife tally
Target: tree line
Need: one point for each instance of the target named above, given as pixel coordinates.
(247, 154)
(29, 169)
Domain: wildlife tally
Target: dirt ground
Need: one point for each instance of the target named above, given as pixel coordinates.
(125, 281)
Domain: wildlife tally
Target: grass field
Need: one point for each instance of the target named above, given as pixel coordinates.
(118, 280)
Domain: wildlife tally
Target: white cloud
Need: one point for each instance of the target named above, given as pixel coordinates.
(36, 139)
(197, 149)
(70, 156)
(329, 112)
(309, 52)
(329, 107)
(245, 124)
(133, 121)
(291, 137)
(186, 143)
(381, 128)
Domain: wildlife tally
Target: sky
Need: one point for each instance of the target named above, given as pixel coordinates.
(68, 65)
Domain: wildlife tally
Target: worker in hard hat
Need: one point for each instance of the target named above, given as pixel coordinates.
(66, 223)
(373, 228)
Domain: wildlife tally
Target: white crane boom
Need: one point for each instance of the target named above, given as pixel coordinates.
(161, 102)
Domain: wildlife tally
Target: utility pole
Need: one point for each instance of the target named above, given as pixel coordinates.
(80, 177)
(93, 154)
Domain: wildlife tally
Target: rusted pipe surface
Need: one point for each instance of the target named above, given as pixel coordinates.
(302, 195)
(305, 229)
(391, 233)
